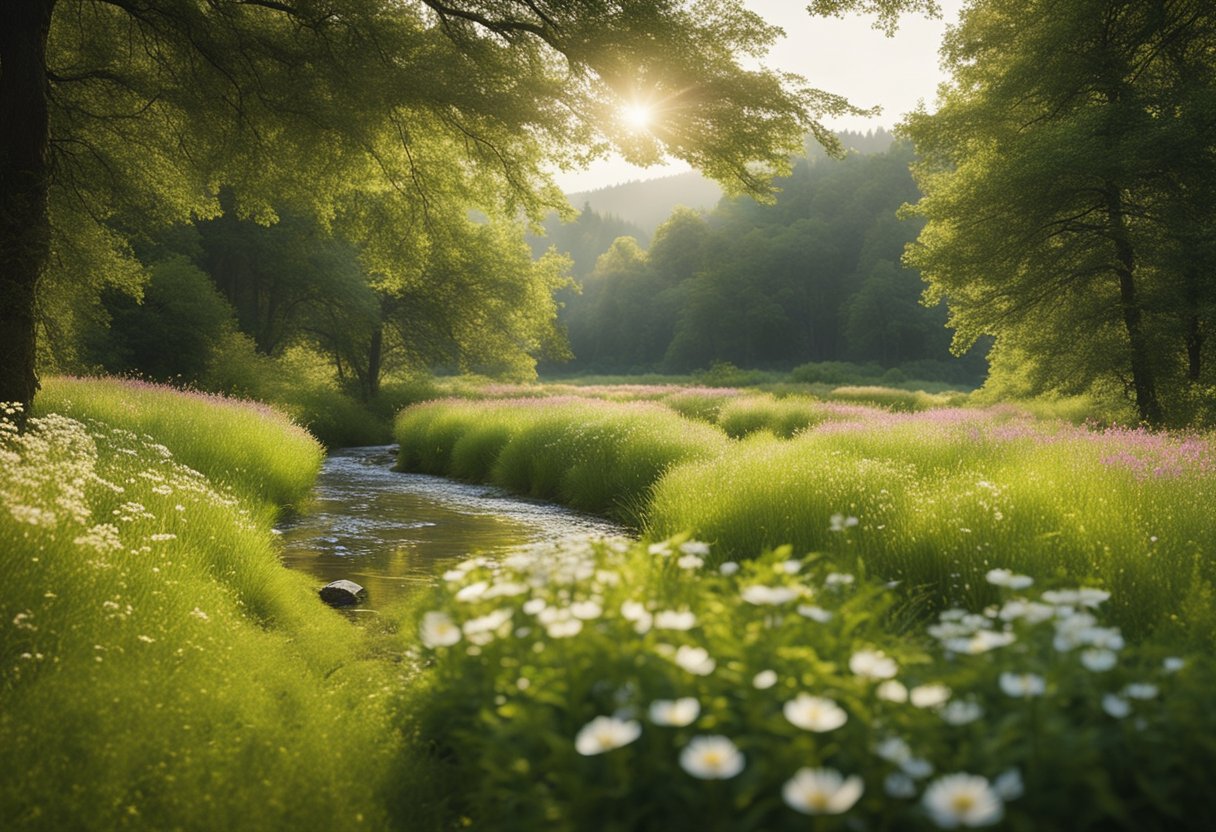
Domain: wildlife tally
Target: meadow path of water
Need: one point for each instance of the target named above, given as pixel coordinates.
(391, 531)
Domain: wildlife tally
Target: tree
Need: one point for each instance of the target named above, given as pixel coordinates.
(120, 114)
(1067, 177)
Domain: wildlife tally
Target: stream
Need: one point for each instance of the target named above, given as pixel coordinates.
(390, 531)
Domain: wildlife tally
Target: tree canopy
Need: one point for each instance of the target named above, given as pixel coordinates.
(384, 119)
(1068, 178)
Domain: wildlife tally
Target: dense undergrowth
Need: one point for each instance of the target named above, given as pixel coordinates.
(161, 670)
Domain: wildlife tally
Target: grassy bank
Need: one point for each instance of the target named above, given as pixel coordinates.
(936, 496)
(161, 669)
(588, 454)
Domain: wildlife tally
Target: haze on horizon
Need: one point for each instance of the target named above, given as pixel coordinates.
(843, 56)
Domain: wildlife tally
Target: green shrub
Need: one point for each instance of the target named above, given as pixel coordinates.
(782, 417)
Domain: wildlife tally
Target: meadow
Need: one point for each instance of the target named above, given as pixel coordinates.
(906, 616)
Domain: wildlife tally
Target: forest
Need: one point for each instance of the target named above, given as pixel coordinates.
(354, 476)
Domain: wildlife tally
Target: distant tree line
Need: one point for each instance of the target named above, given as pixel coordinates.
(814, 276)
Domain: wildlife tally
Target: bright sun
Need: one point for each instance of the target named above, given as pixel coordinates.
(637, 116)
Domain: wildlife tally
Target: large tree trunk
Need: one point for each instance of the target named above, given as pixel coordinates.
(1144, 383)
(25, 231)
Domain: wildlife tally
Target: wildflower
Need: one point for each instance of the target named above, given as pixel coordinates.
(838, 579)
(764, 680)
(1140, 690)
(711, 757)
(961, 712)
(1008, 785)
(897, 784)
(1032, 612)
(675, 620)
(534, 606)
(161, 537)
(586, 610)
(963, 800)
(695, 660)
(1006, 578)
(872, 664)
(789, 567)
(690, 562)
(695, 548)
(633, 610)
(1098, 660)
(677, 712)
(814, 613)
(438, 630)
(929, 696)
(839, 522)
(564, 627)
(199, 614)
(917, 768)
(1172, 664)
(1116, 706)
(1023, 685)
(662, 549)
(891, 691)
(472, 592)
(894, 750)
(814, 713)
(729, 568)
(822, 791)
(980, 642)
(768, 595)
(605, 733)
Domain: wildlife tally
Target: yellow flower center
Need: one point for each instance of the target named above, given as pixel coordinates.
(714, 759)
(962, 803)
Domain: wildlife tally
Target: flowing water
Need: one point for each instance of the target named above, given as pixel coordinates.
(390, 531)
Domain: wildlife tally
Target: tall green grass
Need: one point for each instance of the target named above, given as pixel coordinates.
(942, 497)
(592, 455)
(251, 448)
(161, 669)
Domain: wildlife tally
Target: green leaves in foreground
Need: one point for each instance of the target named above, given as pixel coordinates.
(611, 685)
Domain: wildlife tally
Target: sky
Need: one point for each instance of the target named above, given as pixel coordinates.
(843, 56)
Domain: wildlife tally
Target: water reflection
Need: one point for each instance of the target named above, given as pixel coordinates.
(388, 530)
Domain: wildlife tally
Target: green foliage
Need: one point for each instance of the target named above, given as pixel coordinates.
(526, 654)
(784, 417)
(171, 333)
(161, 669)
(1066, 177)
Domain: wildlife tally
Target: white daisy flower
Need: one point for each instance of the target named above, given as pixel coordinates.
(892, 691)
(1116, 706)
(1023, 685)
(929, 696)
(764, 680)
(814, 713)
(963, 800)
(769, 595)
(675, 712)
(695, 660)
(438, 630)
(960, 712)
(873, 664)
(822, 791)
(1007, 579)
(604, 733)
(729, 568)
(711, 757)
(675, 620)
(1098, 660)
